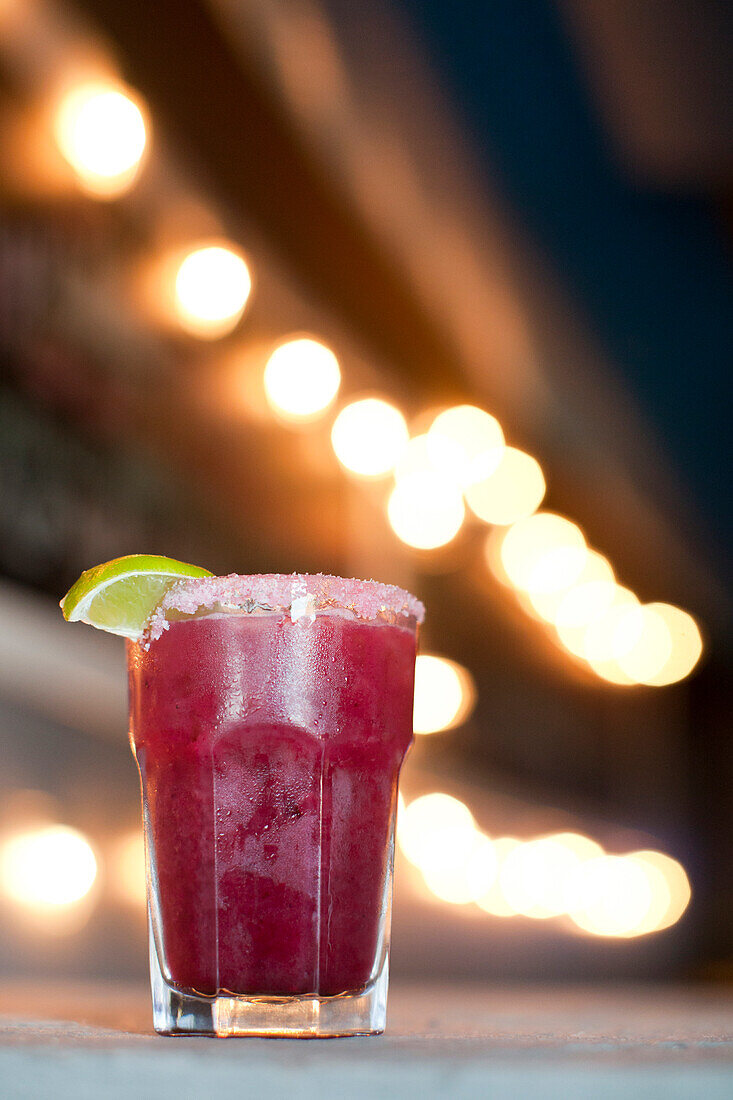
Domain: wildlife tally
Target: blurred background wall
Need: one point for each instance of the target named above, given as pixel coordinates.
(524, 209)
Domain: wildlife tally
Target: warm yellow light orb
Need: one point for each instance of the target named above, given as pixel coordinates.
(368, 437)
(467, 442)
(583, 603)
(444, 694)
(677, 883)
(432, 827)
(493, 901)
(492, 555)
(643, 643)
(50, 867)
(211, 290)
(468, 875)
(425, 510)
(600, 640)
(613, 897)
(686, 647)
(536, 877)
(660, 898)
(128, 866)
(513, 491)
(302, 378)
(547, 605)
(100, 131)
(543, 553)
(417, 457)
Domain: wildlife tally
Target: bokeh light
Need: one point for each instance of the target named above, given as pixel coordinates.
(425, 510)
(596, 570)
(677, 883)
(212, 286)
(128, 868)
(562, 874)
(100, 131)
(368, 437)
(642, 643)
(417, 457)
(493, 900)
(613, 896)
(660, 898)
(584, 603)
(686, 645)
(512, 492)
(600, 642)
(47, 868)
(444, 694)
(535, 877)
(543, 553)
(302, 378)
(606, 668)
(466, 442)
(468, 875)
(432, 827)
(492, 555)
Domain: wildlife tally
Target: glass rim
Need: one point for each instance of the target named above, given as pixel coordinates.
(299, 595)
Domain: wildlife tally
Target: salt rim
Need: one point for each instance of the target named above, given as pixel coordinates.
(367, 599)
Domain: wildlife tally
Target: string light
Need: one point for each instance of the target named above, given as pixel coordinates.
(494, 901)
(432, 827)
(543, 553)
(212, 287)
(579, 605)
(467, 442)
(558, 875)
(492, 554)
(368, 437)
(601, 641)
(643, 643)
(420, 457)
(100, 131)
(660, 898)
(614, 896)
(425, 510)
(676, 881)
(685, 648)
(512, 492)
(302, 378)
(468, 875)
(535, 875)
(444, 694)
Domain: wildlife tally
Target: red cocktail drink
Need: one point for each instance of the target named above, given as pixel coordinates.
(270, 717)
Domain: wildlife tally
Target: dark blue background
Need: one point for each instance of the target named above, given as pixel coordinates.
(651, 272)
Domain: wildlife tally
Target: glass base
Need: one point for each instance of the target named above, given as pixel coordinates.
(298, 1017)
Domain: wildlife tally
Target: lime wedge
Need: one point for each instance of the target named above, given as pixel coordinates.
(121, 595)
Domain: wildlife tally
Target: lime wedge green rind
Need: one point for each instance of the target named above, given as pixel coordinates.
(119, 596)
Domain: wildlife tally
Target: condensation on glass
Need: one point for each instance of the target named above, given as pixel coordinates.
(269, 724)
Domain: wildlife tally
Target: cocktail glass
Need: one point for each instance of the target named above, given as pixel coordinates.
(269, 717)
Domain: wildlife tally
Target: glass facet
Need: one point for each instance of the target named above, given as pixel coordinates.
(269, 746)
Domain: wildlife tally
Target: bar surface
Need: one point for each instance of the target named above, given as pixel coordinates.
(667, 1042)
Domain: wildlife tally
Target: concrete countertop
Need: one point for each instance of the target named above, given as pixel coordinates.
(92, 1041)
